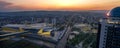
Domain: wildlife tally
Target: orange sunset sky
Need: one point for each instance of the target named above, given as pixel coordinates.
(13, 5)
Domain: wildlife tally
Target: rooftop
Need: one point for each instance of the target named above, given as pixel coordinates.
(115, 12)
(31, 26)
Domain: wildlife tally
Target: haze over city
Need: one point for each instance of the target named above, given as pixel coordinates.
(59, 23)
(30, 5)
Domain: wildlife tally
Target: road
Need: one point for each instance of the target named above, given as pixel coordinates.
(11, 34)
(63, 41)
(40, 43)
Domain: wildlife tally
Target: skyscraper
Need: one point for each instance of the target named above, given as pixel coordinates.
(109, 30)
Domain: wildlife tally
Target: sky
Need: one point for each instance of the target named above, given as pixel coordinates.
(72, 5)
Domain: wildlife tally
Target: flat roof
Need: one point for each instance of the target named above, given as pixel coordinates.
(31, 26)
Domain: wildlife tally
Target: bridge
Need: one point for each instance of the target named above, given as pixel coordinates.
(11, 34)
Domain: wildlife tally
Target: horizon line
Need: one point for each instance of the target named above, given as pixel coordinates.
(51, 10)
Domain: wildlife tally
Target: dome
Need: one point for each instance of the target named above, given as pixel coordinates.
(115, 12)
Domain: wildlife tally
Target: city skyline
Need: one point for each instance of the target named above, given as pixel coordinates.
(72, 5)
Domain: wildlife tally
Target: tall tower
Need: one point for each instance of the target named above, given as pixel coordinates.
(54, 23)
(109, 30)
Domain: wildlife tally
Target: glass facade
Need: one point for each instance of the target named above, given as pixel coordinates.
(113, 36)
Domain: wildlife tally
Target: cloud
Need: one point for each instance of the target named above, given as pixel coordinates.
(4, 4)
(7, 6)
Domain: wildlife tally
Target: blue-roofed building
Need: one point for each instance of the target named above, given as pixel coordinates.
(115, 12)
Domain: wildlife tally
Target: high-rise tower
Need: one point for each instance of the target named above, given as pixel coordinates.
(109, 30)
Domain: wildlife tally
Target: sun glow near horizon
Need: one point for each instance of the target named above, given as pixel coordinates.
(59, 4)
(67, 3)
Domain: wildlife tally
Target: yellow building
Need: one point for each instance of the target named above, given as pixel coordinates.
(34, 28)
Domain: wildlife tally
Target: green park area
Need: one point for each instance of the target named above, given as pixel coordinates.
(87, 39)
